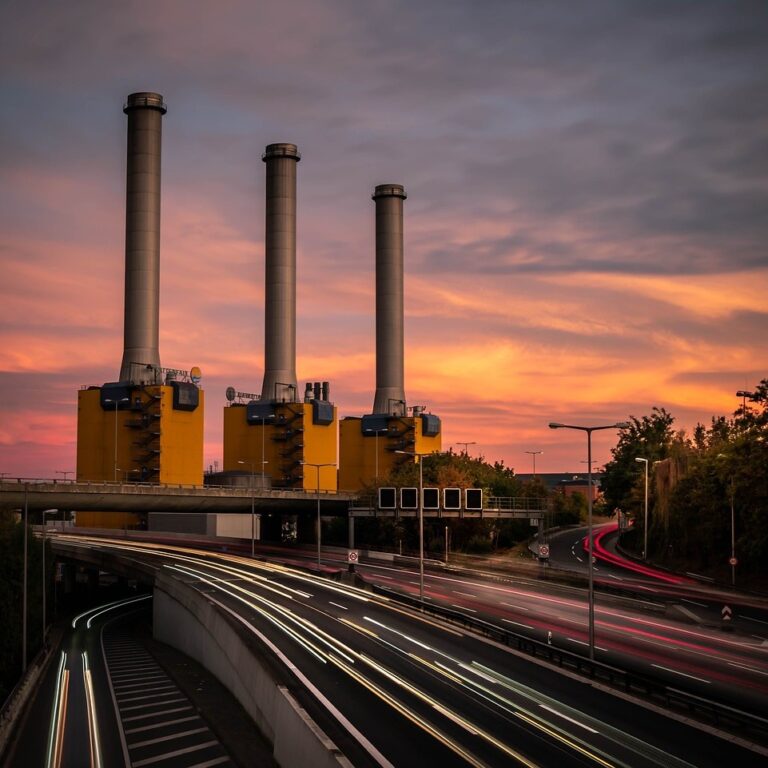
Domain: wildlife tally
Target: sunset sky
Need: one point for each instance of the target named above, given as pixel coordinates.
(586, 230)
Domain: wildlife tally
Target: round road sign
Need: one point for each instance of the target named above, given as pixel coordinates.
(544, 550)
(352, 556)
(733, 561)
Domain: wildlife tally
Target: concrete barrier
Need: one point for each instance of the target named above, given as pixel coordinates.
(189, 621)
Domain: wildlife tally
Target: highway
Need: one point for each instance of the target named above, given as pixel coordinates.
(392, 687)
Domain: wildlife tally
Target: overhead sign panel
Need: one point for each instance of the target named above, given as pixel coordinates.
(387, 498)
(452, 498)
(473, 499)
(409, 498)
(431, 498)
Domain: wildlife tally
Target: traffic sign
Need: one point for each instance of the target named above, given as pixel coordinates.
(733, 561)
(726, 613)
(544, 551)
(352, 556)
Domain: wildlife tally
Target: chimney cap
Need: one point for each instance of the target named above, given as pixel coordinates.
(389, 190)
(146, 100)
(281, 150)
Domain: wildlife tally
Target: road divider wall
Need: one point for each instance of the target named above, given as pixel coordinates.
(187, 620)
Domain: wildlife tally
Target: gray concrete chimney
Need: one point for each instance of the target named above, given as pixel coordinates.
(390, 395)
(142, 238)
(280, 275)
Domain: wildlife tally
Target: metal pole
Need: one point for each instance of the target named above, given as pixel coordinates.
(44, 583)
(253, 512)
(446, 545)
(115, 440)
(318, 516)
(591, 556)
(351, 539)
(733, 538)
(645, 523)
(24, 589)
(421, 528)
(376, 448)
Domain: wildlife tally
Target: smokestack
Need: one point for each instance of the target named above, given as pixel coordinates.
(280, 283)
(142, 238)
(390, 395)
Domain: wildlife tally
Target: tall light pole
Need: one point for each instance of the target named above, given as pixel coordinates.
(24, 586)
(534, 454)
(117, 405)
(253, 508)
(589, 431)
(732, 560)
(421, 456)
(263, 460)
(318, 467)
(466, 445)
(45, 512)
(645, 518)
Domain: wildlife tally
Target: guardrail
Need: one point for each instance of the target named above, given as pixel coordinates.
(745, 724)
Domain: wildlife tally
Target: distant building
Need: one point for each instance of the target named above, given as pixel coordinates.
(567, 483)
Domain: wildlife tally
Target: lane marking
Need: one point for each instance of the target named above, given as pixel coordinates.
(343, 607)
(517, 623)
(751, 669)
(676, 672)
(133, 718)
(752, 618)
(463, 608)
(171, 737)
(175, 753)
(158, 704)
(569, 719)
(154, 726)
(693, 602)
(581, 642)
(463, 594)
(516, 607)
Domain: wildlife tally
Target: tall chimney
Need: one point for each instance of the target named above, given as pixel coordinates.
(280, 278)
(390, 395)
(142, 238)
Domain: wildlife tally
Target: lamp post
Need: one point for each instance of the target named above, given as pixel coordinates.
(591, 592)
(117, 405)
(253, 508)
(263, 460)
(318, 467)
(732, 560)
(421, 514)
(533, 455)
(45, 512)
(466, 445)
(24, 587)
(645, 517)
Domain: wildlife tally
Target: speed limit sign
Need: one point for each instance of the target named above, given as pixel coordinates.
(352, 556)
(544, 551)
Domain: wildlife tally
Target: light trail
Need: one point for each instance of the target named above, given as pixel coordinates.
(58, 715)
(93, 725)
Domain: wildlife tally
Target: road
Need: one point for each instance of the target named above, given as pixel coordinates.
(373, 669)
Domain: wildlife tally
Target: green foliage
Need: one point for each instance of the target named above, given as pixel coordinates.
(650, 437)
(11, 590)
(721, 466)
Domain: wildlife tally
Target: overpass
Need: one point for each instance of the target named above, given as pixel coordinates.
(145, 497)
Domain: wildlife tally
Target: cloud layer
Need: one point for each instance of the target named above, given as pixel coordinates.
(586, 225)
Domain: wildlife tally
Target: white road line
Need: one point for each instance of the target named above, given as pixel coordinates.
(581, 642)
(463, 594)
(165, 723)
(614, 576)
(569, 719)
(171, 737)
(343, 607)
(133, 718)
(140, 676)
(211, 763)
(517, 623)
(693, 602)
(157, 704)
(175, 753)
(751, 618)
(151, 696)
(463, 608)
(751, 669)
(579, 559)
(674, 671)
(516, 607)
(123, 690)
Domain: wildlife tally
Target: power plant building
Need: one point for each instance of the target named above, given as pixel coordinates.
(148, 425)
(281, 436)
(369, 445)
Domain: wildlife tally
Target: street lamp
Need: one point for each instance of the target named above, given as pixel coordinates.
(732, 561)
(466, 445)
(317, 468)
(645, 523)
(534, 454)
(375, 432)
(421, 514)
(117, 405)
(253, 508)
(264, 418)
(45, 512)
(589, 431)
